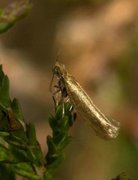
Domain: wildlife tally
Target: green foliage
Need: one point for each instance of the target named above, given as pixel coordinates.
(13, 13)
(20, 152)
(5, 173)
(60, 125)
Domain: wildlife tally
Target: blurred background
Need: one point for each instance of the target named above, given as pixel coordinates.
(98, 42)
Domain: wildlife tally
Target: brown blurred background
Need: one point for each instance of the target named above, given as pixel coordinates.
(98, 42)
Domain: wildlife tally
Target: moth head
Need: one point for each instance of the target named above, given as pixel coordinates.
(59, 69)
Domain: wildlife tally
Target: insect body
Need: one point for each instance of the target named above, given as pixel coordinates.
(84, 105)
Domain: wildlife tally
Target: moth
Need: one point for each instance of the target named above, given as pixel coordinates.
(83, 104)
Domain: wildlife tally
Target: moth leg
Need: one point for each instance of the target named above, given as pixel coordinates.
(59, 100)
(58, 90)
(55, 102)
(62, 102)
(63, 110)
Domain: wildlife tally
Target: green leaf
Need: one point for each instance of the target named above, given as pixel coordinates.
(59, 111)
(19, 154)
(36, 155)
(4, 93)
(51, 168)
(6, 173)
(62, 141)
(48, 175)
(31, 134)
(34, 148)
(5, 155)
(3, 142)
(51, 148)
(52, 122)
(4, 122)
(4, 134)
(19, 135)
(1, 75)
(17, 110)
(26, 170)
